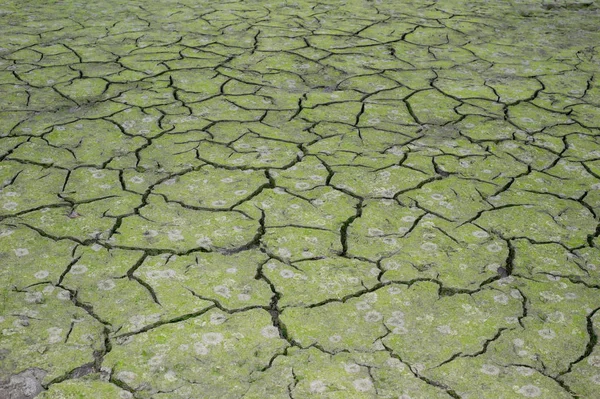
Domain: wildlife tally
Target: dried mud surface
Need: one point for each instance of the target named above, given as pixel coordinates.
(267, 199)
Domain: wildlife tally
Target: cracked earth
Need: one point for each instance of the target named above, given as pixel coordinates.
(294, 199)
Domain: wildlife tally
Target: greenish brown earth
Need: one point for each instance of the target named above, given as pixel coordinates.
(254, 199)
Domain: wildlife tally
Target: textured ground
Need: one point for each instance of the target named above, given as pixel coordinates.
(261, 199)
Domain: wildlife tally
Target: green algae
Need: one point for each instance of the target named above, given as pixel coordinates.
(299, 199)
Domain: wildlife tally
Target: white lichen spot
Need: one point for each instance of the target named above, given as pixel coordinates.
(21, 252)
(212, 338)
(200, 349)
(429, 246)
(317, 386)
(501, 299)
(594, 361)
(217, 318)
(373, 316)
(352, 368)
(547, 333)
(284, 252)
(480, 234)
(244, 297)
(63, 295)
(286, 273)
(525, 371)
(10, 206)
(269, 332)
(78, 269)
(204, 242)
(41, 274)
(495, 247)
(363, 385)
(175, 235)
(106, 285)
(222, 291)
(54, 335)
(34, 297)
(376, 232)
(530, 391)
(490, 369)
(126, 376)
(447, 330)
(335, 338)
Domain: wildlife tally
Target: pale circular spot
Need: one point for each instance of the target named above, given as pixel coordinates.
(63, 295)
(200, 348)
(376, 232)
(317, 386)
(217, 318)
(547, 333)
(335, 338)
(222, 291)
(10, 206)
(530, 391)
(79, 269)
(525, 371)
(41, 274)
(270, 332)
(212, 338)
(244, 297)
(501, 299)
(21, 252)
(490, 369)
(594, 361)
(106, 285)
(373, 316)
(428, 246)
(445, 329)
(34, 297)
(395, 321)
(175, 235)
(596, 379)
(126, 376)
(352, 368)
(363, 385)
(495, 247)
(284, 252)
(285, 273)
(204, 242)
